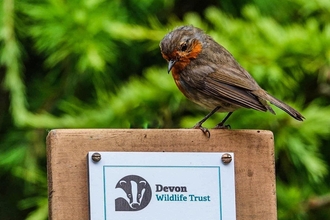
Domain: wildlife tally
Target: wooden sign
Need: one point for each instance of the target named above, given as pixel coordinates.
(67, 151)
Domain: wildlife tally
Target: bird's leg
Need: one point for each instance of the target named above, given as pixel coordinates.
(221, 124)
(199, 124)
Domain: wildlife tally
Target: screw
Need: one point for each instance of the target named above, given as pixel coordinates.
(226, 158)
(96, 157)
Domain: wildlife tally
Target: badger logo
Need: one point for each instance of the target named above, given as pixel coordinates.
(138, 193)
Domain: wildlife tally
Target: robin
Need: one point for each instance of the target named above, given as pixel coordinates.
(206, 73)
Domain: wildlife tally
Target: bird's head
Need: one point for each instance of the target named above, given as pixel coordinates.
(181, 45)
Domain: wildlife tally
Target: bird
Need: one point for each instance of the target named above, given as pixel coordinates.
(208, 74)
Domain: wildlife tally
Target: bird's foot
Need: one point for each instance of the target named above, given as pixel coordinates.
(204, 130)
(222, 126)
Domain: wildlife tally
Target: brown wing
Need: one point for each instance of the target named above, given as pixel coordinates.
(223, 83)
(232, 94)
(225, 68)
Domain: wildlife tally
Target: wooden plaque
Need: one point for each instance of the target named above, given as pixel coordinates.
(67, 164)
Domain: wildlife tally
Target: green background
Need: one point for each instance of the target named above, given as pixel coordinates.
(97, 64)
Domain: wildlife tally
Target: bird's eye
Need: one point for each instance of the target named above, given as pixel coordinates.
(184, 46)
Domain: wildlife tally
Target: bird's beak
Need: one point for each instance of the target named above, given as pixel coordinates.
(170, 65)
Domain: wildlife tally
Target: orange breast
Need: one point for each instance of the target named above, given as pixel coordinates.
(180, 65)
(177, 80)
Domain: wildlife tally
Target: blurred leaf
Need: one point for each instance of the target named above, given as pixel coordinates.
(96, 63)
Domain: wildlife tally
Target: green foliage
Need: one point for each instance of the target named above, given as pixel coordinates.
(96, 63)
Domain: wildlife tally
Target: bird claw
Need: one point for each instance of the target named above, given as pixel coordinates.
(221, 126)
(204, 130)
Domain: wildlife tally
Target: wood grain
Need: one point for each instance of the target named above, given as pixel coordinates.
(67, 164)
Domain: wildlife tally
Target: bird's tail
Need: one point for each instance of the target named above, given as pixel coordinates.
(291, 111)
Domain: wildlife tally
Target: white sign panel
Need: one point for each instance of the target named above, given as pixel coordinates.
(161, 186)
